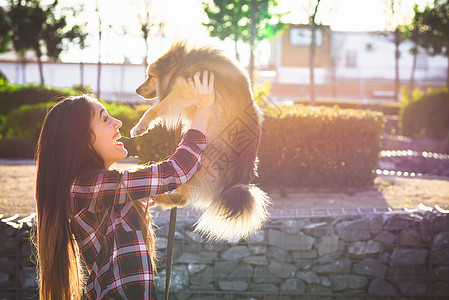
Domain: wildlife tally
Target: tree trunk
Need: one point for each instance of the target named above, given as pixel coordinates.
(312, 65)
(99, 79)
(447, 75)
(237, 56)
(397, 42)
(82, 74)
(147, 48)
(251, 40)
(412, 75)
(41, 71)
(24, 64)
(99, 53)
(312, 54)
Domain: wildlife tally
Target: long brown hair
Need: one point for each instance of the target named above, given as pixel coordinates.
(64, 150)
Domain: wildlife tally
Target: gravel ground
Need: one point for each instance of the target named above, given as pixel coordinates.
(17, 192)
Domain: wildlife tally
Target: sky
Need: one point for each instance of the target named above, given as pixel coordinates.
(183, 20)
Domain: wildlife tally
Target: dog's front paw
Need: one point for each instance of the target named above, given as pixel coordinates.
(138, 130)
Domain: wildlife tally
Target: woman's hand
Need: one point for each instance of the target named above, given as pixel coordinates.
(206, 98)
(204, 90)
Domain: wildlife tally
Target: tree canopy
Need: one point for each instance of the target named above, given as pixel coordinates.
(31, 26)
(430, 29)
(5, 31)
(250, 21)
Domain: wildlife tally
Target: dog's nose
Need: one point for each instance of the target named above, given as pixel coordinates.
(138, 90)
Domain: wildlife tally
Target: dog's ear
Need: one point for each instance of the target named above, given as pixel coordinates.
(166, 64)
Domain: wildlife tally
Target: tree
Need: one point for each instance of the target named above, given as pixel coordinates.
(78, 36)
(26, 20)
(97, 10)
(248, 20)
(432, 28)
(411, 33)
(5, 31)
(37, 28)
(227, 20)
(313, 26)
(148, 24)
(393, 12)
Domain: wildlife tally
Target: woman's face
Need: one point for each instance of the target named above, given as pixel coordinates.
(106, 131)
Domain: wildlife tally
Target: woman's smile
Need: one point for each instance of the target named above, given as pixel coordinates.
(106, 129)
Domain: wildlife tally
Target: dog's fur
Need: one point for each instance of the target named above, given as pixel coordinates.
(233, 206)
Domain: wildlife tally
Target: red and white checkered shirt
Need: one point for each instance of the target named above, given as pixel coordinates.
(109, 234)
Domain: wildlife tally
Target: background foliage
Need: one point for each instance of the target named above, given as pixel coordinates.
(300, 145)
(13, 96)
(320, 147)
(426, 115)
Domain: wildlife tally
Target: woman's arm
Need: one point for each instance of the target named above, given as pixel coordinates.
(112, 186)
(170, 174)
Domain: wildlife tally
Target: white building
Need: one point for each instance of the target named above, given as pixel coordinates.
(348, 65)
(118, 81)
(354, 65)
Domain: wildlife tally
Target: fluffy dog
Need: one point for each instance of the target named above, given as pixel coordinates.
(232, 206)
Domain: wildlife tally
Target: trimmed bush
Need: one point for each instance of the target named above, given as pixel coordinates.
(427, 116)
(151, 147)
(24, 124)
(26, 121)
(14, 96)
(301, 146)
(17, 148)
(3, 79)
(385, 108)
(319, 147)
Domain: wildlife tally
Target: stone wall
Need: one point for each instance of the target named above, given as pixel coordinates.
(358, 255)
(386, 255)
(17, 272)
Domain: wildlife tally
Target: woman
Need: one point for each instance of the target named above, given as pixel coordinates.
(86, 211)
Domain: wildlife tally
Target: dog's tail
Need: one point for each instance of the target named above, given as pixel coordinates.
(236, 213)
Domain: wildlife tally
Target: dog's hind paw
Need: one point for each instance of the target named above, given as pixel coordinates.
(138, 131)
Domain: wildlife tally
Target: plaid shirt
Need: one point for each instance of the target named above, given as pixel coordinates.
(108, 232)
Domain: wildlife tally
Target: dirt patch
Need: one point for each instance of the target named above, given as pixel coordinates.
(387, 191)
(17, 193)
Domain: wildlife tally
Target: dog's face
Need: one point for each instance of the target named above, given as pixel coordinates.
(148, 89)
(160, 74)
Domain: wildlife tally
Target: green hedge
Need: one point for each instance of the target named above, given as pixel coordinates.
(25, 122)
(13, 148)
(319, 147)
(153, 146)
(14, 96)
(300, 145)
(385, 108)
(426, 116)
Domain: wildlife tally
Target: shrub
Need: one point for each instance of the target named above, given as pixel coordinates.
(26, 121)
(82, 89)
(24, 124)
(426, 116)
(153, 146)
(158, 144)
(300, 145)
(385, 108)
(319, 147)
(17, 148)
(3, 79)
(14, 96)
